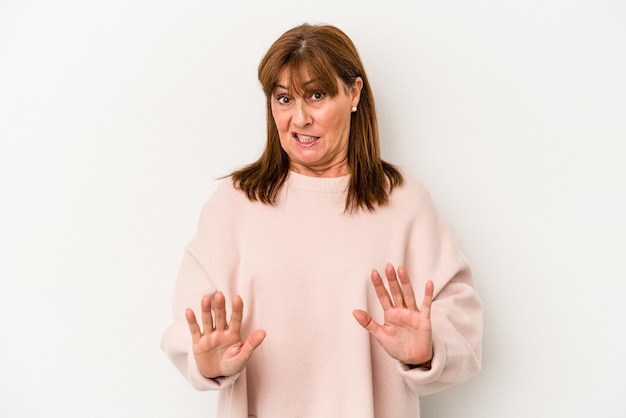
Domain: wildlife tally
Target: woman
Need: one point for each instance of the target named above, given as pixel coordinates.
(298, 235)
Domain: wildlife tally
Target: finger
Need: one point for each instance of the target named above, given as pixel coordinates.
(194, 328)
(365, 320)
(429, 290)
(394, 286)
(381, 291)
(252, 342)
(407, 289)
(237, 315)
(219, 310)
(207, 317)
(256, 338)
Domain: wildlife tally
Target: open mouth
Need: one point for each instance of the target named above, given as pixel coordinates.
(305, 139)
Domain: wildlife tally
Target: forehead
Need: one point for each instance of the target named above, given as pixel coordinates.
(302, 79)
(290, 77)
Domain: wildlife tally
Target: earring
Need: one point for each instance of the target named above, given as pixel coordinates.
(353, 109)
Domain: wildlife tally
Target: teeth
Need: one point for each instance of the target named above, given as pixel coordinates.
(305, 138)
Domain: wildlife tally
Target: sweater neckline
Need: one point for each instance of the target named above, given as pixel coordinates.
(318, 184)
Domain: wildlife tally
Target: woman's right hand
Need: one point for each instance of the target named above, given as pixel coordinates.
(218, 348)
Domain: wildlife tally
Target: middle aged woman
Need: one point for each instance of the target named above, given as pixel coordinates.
(299, 235)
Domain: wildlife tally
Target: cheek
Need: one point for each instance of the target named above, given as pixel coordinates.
(337, 122)
(280, 120)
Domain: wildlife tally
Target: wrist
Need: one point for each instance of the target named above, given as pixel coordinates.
(423, 366)
(426, 365)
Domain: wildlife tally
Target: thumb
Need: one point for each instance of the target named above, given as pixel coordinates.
(365, 320)
(253, 341)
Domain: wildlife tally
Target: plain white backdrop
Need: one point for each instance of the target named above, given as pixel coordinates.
(117, 116)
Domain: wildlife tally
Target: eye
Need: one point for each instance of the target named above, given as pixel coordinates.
(282, 99)
(317, 96)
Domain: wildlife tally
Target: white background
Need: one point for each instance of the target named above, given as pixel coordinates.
(117, 116)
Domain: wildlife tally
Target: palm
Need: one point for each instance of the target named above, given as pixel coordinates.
(406, 333)
(219, 350)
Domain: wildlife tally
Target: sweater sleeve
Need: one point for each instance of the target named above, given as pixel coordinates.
(456, 312)
(193, 282)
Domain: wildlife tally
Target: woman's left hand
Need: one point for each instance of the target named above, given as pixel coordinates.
(406, 333)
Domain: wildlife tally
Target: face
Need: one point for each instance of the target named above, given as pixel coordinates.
(314, 128)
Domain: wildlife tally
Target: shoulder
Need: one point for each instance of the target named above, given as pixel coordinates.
(225, 190)
(411, 189)
(225, 198)
(219, 214)
(410, 199)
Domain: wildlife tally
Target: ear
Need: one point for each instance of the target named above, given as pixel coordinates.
(355, 91)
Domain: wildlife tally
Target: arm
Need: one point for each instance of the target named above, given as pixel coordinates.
(446, 330)
(436, 345)
(192, 283)
(456, 311)
(456, 318)
(211, 354)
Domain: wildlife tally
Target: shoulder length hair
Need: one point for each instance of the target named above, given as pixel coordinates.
(324, 53)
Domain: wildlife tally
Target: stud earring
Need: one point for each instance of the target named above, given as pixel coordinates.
(353, 109)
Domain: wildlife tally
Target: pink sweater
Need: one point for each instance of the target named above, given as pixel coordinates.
(301, 267)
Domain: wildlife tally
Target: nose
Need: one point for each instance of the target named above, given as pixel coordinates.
(301, 117)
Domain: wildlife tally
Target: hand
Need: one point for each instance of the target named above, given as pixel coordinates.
(219, 349)
(406, 334)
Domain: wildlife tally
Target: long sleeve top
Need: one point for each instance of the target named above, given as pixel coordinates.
(301, 266)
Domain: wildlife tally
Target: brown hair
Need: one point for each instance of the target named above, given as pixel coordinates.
(325, 53)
